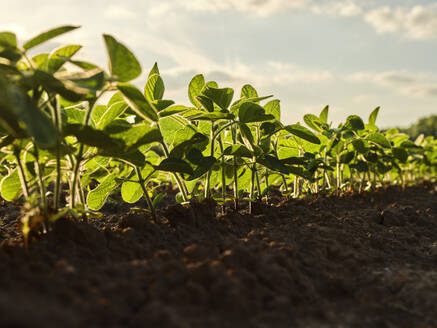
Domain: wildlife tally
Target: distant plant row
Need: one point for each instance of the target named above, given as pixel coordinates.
(63, 151)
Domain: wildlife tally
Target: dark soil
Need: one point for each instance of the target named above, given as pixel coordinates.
(355, 261)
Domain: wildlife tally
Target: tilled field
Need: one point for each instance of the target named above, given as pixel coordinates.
(365, 260)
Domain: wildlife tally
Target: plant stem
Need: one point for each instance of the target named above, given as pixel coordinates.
(182, 187)
(40, 173)
(79, 156)
(146, 194)
(21, 174)
(296, 187)
(258, 185)
(208, 174)
(223, 175)
(54, 108)
(234, 162)
(267, 185)
(252, 187)
(284, 182)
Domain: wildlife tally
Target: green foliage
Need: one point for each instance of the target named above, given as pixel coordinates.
(122, 63)
(50, 34)
(55, 131)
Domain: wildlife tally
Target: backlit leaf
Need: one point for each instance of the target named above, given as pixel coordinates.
(10, 186)
(50, 34)
(122, 62)
(302, 132)
(97, 197)
(137, 102)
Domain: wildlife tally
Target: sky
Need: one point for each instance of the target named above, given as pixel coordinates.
(352, 55)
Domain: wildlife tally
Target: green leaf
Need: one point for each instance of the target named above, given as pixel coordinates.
(235, 107)
(206, 103)
(221, 97)
(213, 116)
(50, 34)
(371, 157)
(135, 135)
(137, 102)
(202, 163)
(131, 191)
(97, 112)
(273, 107)
(270, 128)
(73, 115)
(172, 110)
(169, 127)
(324, 114)
(38, 125)
(195, 89)
(299, 171)
(97, 197)
(373, 115)
(184, 134)
(409, 144)
(312, 121)
(198, 140)
(134, 157)
(92, 80)
(360, 166)
(174, 165)
(66, 90)
(116, 97)
(379, 139)
(8, 47)
(91, 137)
(111, 114)
(238, 150)
(59, 56)
(303, 133)
(10, 186)
(40, 61)
(273, 164)
(154, 70)
(359, 146)
(247, 137)
(293, 160)
(354, 122)
(154, 89)
(157, 199)
(8, 39)
(347, 157)
(122, 62)
(400, 154)
(162, 104)
(86, 66)
(251, 112)
(248, 91)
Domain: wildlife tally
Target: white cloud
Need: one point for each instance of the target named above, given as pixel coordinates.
(160, 9)
(259, 7)
(269, 7)
(119, 12)
(418, 22)
(289, 73)
(337, 8)
(410, 84)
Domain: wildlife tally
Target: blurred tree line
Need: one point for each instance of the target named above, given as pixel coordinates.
(425, 125)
